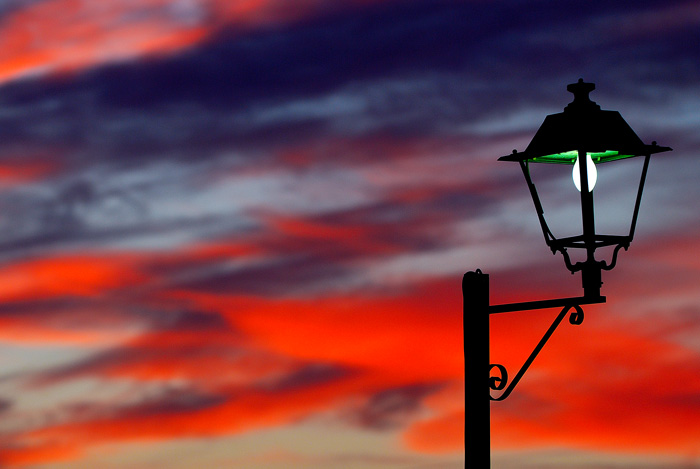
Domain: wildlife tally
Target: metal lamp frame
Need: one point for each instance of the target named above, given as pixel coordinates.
(585, 127)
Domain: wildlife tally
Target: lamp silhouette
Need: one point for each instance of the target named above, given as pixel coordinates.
(581, 133)
(584, 132)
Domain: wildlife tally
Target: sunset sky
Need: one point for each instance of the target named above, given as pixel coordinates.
(233, 233)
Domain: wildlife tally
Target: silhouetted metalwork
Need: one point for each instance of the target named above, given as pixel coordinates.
(498, 383)
(583, 136)
(581, 132)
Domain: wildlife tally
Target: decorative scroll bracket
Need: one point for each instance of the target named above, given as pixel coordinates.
(498, 383)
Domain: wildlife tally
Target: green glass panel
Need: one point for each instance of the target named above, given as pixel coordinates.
(569, 157)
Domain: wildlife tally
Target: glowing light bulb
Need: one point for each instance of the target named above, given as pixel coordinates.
(590, 169)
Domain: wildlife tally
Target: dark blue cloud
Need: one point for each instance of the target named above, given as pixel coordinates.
(171, 401)
(305, 376)
(500, 56)
(393, 407)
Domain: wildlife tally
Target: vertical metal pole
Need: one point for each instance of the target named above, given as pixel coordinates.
(477, 417)
(590, 274)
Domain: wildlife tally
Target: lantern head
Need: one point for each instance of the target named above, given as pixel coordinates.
(584, 136)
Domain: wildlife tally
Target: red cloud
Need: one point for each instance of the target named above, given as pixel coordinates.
(77, 275)
(383, 343)
(602, 385)
(587, 388)
(414, 336)
(24, 170)
(30, 331)
(65, 35)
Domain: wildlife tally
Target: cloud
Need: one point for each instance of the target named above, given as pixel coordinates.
(238, 217)
(263, 384)
(392, 408)
(60, 36)
(78, 276)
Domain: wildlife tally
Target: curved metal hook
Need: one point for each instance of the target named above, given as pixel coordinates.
(567, 260)
(576, 318)
(495, 382)
(613, 261)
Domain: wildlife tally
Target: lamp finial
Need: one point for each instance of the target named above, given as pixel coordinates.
(581, 102)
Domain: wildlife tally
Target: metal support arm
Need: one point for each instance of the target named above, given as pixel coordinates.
(543, 304)
(497, 383)
(477, 363)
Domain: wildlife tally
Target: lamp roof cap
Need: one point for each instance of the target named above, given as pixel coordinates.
(583, 126)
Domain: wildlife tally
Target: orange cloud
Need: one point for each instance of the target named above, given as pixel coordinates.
(17, 456)
(96, 282)
(243, 410)
(415, 336)
(443, 430)
(381, 342)
(587, 389)
(77, 275)
(27, 332)
(604, 385)
(444, 433)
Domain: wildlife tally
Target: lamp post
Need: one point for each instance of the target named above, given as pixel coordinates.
(582, 136)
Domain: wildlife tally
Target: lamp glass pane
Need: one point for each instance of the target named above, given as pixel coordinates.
(569, 157)
(614, 198)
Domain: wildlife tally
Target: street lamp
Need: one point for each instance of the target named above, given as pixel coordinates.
(582, 136)
(583, 132)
